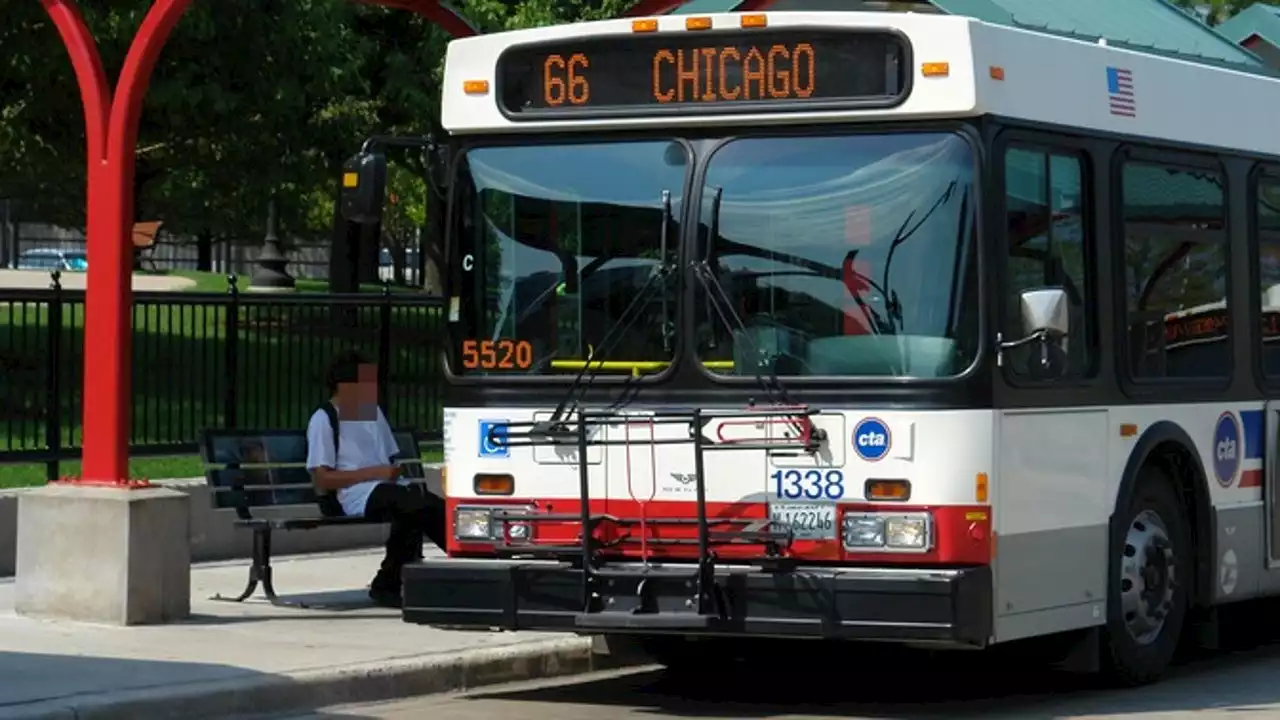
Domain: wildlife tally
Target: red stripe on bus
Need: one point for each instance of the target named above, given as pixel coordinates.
(961, 534)
(1251, 478)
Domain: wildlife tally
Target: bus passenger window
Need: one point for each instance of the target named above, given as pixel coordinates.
(1049, 244)
(1268, 263)
(1175, 272)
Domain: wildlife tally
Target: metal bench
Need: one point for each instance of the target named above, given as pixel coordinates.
(253, 469)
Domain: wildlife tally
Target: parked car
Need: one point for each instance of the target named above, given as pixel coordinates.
(53, 259)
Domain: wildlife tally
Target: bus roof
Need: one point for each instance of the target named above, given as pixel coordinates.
(990, 69)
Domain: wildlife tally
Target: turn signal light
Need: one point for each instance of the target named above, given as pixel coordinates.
(895, 490)
(494, 484)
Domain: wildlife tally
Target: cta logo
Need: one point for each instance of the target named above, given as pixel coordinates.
(872, 439)
(493, 439)
(1227, 449)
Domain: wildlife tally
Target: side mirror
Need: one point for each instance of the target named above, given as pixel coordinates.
(364, 186)
(1045, 312)
(1046, 321)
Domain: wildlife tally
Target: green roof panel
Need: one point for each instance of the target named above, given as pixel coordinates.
(1149, 25)
(1257, 19)
(1153, 26)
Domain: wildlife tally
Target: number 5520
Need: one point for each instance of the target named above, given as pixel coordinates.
(497, 354)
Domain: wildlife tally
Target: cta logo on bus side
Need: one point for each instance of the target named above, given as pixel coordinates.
(872, 439)
(1226, 449)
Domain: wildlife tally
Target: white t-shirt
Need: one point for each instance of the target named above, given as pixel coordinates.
(362, 444)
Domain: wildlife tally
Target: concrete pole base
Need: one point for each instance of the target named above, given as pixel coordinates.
(104, 555)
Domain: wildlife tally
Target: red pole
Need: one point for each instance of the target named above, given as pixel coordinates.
(111, 132)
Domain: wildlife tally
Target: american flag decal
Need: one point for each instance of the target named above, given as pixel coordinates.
(1120, 91)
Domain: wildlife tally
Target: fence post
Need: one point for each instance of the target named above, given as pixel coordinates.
(53, 396)
(384, 349)
(231, 333)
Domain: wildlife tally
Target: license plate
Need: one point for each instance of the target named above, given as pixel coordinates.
(808, 521)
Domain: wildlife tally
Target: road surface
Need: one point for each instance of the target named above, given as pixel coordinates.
(1241, 683)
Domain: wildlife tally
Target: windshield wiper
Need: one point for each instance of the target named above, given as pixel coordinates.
(719, 300)
(584, 379)
(892, 305)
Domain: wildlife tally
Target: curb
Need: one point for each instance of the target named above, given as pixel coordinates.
(391, 679)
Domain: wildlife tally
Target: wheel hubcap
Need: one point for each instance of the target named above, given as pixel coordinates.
(1148, 577)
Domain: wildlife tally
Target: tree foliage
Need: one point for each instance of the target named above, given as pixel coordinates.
(1215, 12)
(249, 97)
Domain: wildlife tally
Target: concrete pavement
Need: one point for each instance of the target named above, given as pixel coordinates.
(234, 659)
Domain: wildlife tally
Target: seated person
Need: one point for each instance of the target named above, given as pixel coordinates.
(364, 476)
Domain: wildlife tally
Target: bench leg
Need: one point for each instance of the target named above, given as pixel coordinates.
(260, 572)
(259, 569)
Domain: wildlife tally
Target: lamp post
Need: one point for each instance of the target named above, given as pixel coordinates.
(271, 273)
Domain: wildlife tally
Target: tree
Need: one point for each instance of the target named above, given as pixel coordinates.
(1215, 12)
(244, 101)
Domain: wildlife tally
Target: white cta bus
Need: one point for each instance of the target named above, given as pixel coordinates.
(839, 327)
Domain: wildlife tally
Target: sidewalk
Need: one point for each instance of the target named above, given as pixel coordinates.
(237, 659)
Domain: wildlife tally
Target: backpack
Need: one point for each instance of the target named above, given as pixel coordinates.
(328, 501)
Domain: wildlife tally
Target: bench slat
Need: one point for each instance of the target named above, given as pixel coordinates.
(263, 488)
(248, 469)
(301, 464)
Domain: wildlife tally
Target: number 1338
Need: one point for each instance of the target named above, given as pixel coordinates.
(809, 484)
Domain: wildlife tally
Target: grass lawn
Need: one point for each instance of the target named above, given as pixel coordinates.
(207, 282)
(152, 468)
(190, 372)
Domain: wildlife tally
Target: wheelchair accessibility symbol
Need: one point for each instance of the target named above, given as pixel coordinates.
(493, 434)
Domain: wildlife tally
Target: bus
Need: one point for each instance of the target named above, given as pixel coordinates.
(832, 327)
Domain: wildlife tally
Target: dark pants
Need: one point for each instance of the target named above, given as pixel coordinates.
(414, 513)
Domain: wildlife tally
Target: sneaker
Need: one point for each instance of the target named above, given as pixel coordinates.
(383, 597)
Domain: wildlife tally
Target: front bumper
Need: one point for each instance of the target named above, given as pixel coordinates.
(947, 606)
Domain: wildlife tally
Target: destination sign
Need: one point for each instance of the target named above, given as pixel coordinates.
(733, 71)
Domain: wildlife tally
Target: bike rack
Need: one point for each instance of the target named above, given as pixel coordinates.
(707, 601)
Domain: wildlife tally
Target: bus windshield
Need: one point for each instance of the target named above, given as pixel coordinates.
(819, 256)
(843, 255)
(557, 254)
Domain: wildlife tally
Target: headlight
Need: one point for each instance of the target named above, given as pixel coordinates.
(887, 531)
(910, 531)
(863, 531)
(472, 524)
(518, 531)
(479, 523)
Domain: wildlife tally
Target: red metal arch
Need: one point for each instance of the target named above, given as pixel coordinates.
(111, 134)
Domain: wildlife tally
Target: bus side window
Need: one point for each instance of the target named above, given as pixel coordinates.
(1048, 245)
(1268, 263)
(1175, 271)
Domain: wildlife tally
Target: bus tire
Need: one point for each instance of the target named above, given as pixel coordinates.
(1150, 572)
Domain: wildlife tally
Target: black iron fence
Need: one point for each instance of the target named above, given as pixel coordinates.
(239, 359)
